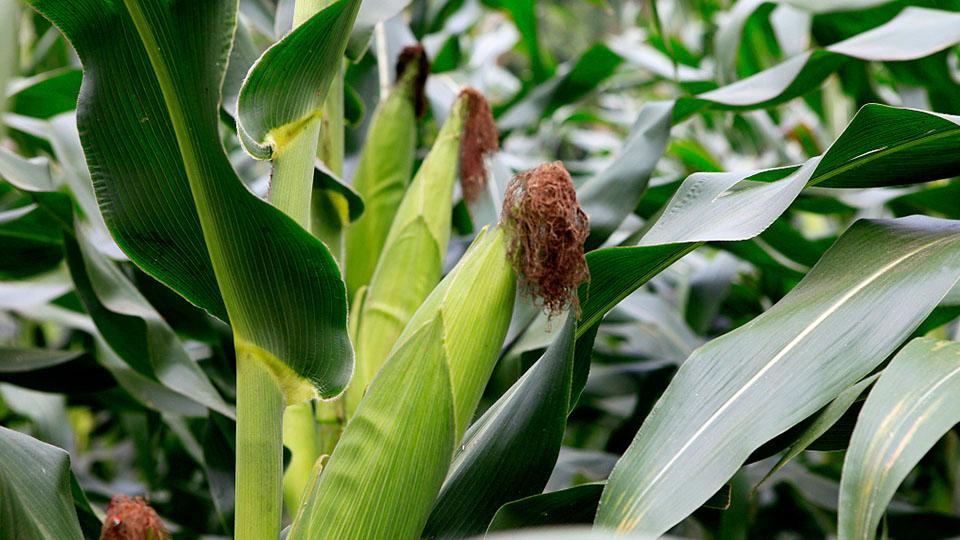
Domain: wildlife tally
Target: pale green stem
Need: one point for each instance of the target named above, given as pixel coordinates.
(292, 191)
(259, 451)
(300, 434)
(291, 185)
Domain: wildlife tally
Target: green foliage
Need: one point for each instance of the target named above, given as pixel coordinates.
(195, 195)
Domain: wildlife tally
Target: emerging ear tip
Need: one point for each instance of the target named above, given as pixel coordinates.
(548, 231)
(480, 138)
(415, 55)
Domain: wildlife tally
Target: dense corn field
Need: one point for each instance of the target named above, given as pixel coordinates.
(399, 269)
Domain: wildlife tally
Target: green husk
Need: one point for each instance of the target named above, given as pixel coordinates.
(385, 167)
(383, 477)
(413, 251)
(391, 460)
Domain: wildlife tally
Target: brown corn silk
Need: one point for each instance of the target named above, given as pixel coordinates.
(479, 140)
(131, 518)
(548, 231)
(410, 55)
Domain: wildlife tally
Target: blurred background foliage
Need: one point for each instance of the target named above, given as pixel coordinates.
(567, 80)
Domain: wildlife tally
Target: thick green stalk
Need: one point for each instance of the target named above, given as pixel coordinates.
(291, 185)
(259, 453)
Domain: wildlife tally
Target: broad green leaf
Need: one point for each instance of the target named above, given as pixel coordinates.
(726, 206)
(287, 87)
(372, 486)
(888, 146)
(868, 300)
(35, 489)
(823, 422)
(911, 407)
(171, 198)
(871, 152)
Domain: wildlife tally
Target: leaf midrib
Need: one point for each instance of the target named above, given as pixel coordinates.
(866, 158)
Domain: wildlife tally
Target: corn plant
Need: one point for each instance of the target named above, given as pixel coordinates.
(333, 269)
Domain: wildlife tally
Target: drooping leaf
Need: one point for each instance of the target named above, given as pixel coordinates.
(911, 407)
(35, 489)
(870, 300)
(171, 198)
(288, 85)
(133, 329)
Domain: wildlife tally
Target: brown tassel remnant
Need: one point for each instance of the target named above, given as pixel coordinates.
(414, 55)
(548, 229)
(130, 518)
(479, 139)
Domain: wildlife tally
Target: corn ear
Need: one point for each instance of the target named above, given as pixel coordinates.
(384, 170)
(390, 463)
(413, 252)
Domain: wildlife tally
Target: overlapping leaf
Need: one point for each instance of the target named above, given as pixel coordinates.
(910, 408)
(836, 313)
(613, 196)
(287, 86)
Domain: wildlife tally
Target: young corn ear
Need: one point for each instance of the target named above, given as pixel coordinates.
(385, 167)
(390, 463)
(412, 259)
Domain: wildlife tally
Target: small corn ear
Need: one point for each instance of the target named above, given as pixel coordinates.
(384, 475)
(396, 449)
(385, 168)
(415, 246)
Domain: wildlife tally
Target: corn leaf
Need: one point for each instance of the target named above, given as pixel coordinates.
(572, 506)
(287, 86)
(612, 194)
(171, 198)
(852, 300)
(35, 506)
(911, 407)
